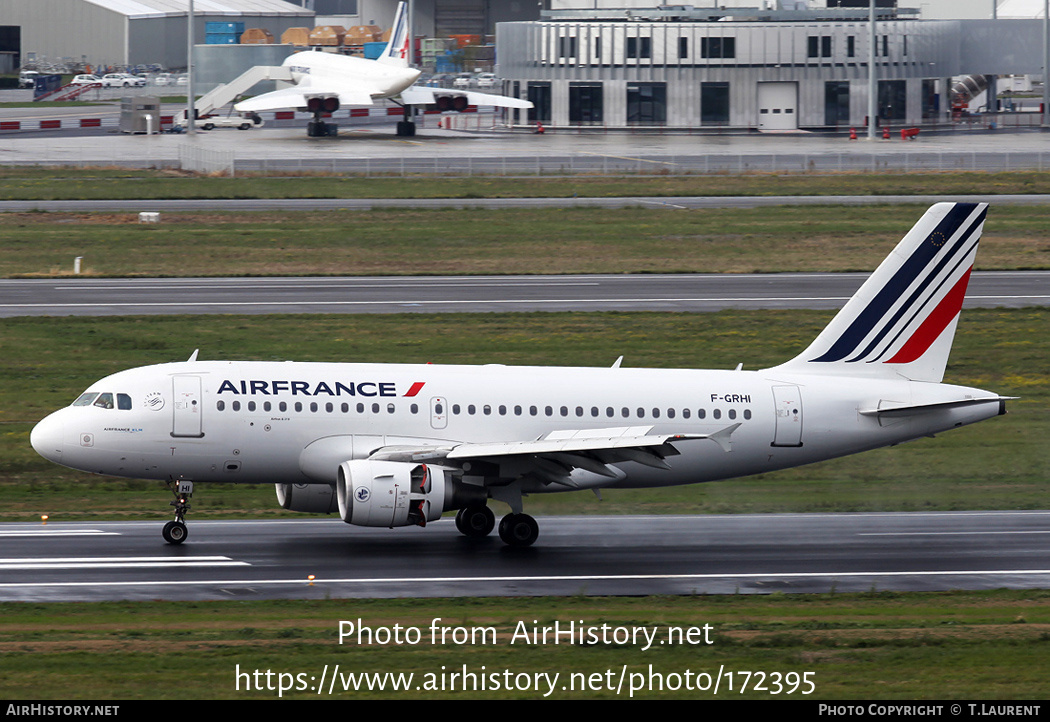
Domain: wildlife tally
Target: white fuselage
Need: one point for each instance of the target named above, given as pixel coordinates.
(260, 422)
(327, 70)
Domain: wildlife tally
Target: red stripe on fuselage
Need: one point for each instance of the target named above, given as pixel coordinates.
(934, 324)
(415, 388)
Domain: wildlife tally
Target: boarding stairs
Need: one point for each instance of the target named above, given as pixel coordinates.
(67, 92)
(226, 93)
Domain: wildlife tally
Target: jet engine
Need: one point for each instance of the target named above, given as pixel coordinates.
(451, 102)
(322, 105)
(310, 498)
(392, 493)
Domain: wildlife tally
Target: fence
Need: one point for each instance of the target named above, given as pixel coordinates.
(202, 160)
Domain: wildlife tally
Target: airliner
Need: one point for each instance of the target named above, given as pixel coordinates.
(392, 445)
(325, 81)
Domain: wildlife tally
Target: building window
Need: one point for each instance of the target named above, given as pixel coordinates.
(566, 47)
(639, 47)
(714, 103)
(585, 103)
(540, 96)
(683, 48)
(717, 47)
(851, 47)
(646, 103)
(819, 46)
(597, 48)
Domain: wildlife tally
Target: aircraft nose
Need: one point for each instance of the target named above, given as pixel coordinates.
(46, 437)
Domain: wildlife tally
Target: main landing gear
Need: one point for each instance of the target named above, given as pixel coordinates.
(175, 532)
(516, 530)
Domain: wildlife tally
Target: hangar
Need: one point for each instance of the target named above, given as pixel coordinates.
(128, 32)
(744, 68)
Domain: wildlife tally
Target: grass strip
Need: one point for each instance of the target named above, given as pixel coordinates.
(505, 241)
(47, 183)
(947, 646)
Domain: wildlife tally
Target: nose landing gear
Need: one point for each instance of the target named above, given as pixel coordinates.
(175, 532)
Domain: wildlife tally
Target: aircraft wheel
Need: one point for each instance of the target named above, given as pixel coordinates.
(475, 521)
(518, 530)
(175, 532)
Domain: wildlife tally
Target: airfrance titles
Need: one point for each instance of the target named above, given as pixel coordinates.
(255, 387)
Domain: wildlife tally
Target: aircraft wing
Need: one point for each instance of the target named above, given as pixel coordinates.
(422, 95)
(298, 97)
(557, 453)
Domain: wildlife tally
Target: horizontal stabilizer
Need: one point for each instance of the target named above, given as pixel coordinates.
(896, 409)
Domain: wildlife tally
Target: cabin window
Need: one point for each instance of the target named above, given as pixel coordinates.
(313, 407)
(251, 406)
(414, 408)
(236, 405)
(329, 407)
(220, 405)
(283, 406)
(375, 409)
(390, 408)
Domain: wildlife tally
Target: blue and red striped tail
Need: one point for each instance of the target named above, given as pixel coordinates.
(901, 322)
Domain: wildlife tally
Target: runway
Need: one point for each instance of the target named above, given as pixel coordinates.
(445, 294)
(592, 555)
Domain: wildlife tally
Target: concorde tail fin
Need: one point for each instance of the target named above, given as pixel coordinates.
(398, 50)
(901, 322)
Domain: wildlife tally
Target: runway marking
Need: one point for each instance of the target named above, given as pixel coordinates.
(117, 563)
(42, 531)
(248, 286)
(540, 578)
(952, 533)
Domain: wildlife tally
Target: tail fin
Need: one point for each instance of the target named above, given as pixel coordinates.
(901, 322)
(397, 50)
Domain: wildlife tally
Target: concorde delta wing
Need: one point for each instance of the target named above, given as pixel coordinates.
(417, 95)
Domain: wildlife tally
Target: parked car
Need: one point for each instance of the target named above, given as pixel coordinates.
(487, 80)
(163, 79)
(86, 80)
(121, 80)
(240, 121)
(463, 80)
(27, 78)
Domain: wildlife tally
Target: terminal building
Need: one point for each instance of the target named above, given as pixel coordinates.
(747, 68)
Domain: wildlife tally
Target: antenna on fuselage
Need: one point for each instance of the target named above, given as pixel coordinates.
(193, 356)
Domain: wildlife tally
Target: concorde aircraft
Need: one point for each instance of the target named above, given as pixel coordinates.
(323, 82)
(392, 445)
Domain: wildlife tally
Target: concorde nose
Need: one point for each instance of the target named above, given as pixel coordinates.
(46, 437)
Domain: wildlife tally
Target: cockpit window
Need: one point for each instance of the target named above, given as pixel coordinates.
(86, 399)
(124, 402)
(104, 401)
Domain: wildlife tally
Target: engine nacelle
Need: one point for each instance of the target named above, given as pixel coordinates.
(392, 493)
(322, 105)
(445, 103)
(311, 498)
